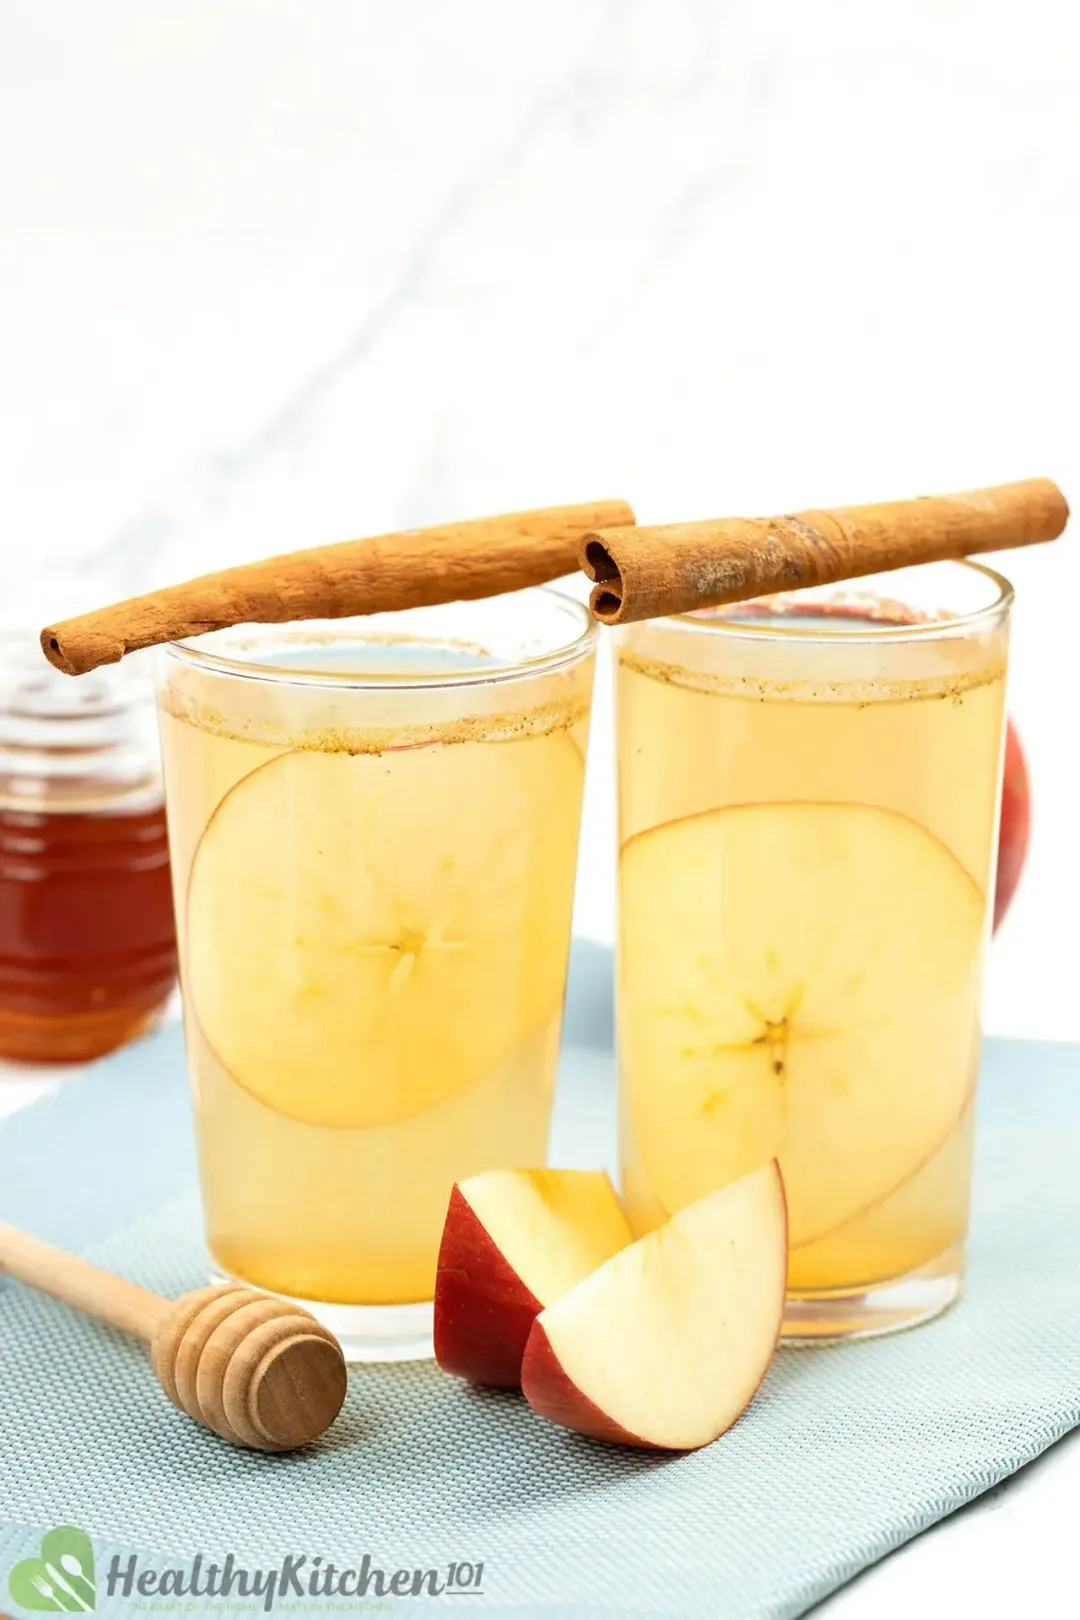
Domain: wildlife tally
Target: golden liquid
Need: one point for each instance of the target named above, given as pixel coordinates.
(345, 1213)
(914, 729)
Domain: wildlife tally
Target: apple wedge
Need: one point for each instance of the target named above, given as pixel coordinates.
(514, 1241)
(665, 1345)
(799, 982)
(370, 934)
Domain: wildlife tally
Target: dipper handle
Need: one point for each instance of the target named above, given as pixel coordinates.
(76, 1282)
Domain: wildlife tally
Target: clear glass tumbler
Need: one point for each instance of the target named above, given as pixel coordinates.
(809, 791)
(374, 829)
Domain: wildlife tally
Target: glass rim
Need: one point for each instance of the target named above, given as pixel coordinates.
(884, 630)
(188, 651)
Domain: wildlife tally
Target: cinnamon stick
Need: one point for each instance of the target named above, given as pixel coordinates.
(451, 563)
(649, 573)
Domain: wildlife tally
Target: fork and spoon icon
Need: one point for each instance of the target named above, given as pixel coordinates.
(47, 1588)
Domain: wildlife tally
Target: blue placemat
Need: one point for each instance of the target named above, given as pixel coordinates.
(845, 1454)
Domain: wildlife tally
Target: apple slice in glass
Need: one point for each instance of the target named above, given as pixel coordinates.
(370, 934)
(799, 981)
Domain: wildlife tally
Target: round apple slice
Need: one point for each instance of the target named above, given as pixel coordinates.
(368, 935)
(799, 982)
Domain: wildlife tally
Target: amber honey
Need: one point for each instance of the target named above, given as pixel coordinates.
(87, 943)
(87, 938)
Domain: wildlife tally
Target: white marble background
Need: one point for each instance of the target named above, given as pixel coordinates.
(283, 271)
(276, 272)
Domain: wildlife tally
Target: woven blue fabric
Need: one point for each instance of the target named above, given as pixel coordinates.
(846, 1453)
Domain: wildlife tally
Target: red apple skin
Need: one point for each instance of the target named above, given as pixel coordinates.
(483, 1311)
(1015, 831)
(550, 1393)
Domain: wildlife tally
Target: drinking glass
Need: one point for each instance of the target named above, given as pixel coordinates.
(809, 792)
(373, 826)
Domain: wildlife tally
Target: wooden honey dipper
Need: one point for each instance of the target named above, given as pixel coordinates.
(258, 1371)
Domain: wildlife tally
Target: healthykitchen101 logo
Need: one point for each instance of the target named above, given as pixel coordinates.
(61, 1577)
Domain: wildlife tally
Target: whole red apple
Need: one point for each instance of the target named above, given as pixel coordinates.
(1015, 830)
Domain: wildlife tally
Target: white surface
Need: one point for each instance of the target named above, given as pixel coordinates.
(1005, 1555)
(20, 1086)
(283, 273)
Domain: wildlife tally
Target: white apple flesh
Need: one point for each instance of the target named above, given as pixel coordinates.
(665, 1345)
(514, 1241)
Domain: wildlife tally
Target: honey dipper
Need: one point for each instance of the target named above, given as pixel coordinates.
(258, 1371)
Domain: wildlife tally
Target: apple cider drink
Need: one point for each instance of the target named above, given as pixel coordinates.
(374, 832)
(808, 810)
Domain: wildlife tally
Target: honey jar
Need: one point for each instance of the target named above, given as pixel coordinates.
(87, 937)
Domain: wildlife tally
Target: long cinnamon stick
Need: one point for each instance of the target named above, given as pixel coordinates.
(649, 573)
(452, 563)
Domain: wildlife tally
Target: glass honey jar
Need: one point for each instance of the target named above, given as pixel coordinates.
(87, 937)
